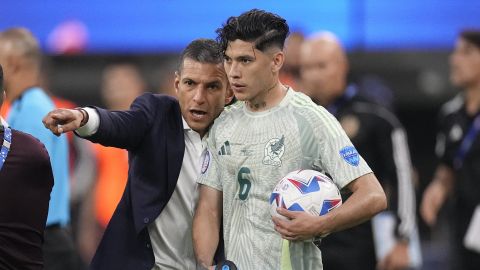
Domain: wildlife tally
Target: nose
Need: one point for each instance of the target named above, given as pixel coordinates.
(233, 70)
(200, 95)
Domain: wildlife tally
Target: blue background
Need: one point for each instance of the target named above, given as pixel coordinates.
(168, 25)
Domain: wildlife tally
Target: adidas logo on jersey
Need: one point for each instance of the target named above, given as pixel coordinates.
(225, 149)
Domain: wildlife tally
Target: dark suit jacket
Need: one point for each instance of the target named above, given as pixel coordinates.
(152, 132)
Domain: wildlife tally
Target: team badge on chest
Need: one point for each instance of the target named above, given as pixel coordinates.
(274, 150)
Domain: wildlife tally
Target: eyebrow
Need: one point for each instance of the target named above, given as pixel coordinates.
(254, 57)
(239, 57)
(214, 83)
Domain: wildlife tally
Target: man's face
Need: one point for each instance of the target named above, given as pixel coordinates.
(202, 93)
(250, 71)
(323, 71)
(465, 64)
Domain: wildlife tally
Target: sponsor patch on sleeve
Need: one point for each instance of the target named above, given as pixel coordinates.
(350, 155)
(206, 162)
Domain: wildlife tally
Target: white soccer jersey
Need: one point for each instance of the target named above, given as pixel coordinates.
(248, 153)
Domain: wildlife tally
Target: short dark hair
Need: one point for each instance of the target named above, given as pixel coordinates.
(472, 36)
(263, 28)
(202, 50)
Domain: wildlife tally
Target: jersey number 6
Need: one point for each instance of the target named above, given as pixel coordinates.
(244, 182)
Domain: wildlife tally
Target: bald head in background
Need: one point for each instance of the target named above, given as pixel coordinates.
(323, 68)
(20, 57)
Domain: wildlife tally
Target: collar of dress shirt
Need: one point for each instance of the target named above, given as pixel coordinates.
(185, 125)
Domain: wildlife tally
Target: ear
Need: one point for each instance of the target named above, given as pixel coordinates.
(177, 81)
(278, 59)
(228, 95)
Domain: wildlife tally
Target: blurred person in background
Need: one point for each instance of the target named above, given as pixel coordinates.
(290, 72)
(379, 136)
(458, 149)
(151, 227)
(164, 77)
(82, 164)
(20, 57)
(26, 180)
(121, 84)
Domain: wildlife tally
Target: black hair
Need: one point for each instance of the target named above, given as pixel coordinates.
(263, 28)
(472, 36)
(206, 51)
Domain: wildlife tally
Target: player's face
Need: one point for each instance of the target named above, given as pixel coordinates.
(322, 71)
(465, 64)
(251, 72)
(202, 90)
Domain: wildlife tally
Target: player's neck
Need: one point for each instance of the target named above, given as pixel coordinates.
(472, 99)
(267, 99)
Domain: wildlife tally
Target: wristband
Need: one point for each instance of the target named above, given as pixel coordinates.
(84, 116)
(226, 265)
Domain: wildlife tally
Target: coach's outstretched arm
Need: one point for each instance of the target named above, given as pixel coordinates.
(122, 129)
(206, 224)
(367, 200)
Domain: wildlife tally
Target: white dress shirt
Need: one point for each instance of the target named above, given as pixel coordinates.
(171, 232)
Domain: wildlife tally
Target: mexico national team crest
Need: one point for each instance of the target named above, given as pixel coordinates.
(350, 155)
(274, 150)
(206, 162)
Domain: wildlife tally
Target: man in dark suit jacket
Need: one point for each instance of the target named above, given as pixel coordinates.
(151, 227)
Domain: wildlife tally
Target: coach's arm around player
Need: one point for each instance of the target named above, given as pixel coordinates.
(367, 200)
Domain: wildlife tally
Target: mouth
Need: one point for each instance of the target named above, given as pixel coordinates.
(198, 114)
(238, 87)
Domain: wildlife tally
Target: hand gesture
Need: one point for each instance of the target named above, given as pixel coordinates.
(63, 120)
(299, 226)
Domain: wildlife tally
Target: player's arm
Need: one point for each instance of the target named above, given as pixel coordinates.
(206, 224)
(436, 193)
(367, 200)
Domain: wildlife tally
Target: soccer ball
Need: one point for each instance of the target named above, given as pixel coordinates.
(305, 190)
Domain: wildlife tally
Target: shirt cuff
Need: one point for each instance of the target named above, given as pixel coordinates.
(92, 124)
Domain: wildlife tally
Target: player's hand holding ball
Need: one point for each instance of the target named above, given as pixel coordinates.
(297, 202)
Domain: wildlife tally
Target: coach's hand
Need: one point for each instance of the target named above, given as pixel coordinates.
(63, 120)
(299, 226)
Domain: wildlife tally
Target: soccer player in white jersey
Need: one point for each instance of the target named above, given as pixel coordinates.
(271, 131)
